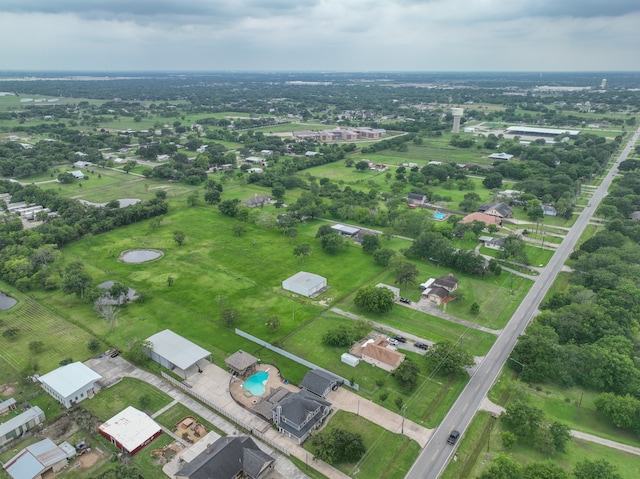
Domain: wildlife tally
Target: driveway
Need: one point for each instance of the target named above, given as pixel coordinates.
(351, 402)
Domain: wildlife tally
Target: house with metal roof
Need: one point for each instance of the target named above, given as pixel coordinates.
(298, 414)
(16, 426)
(37, 459)
(130, 430)
(320, 382)
(229, 458)
(176, 352)
(549, 210)
(71, 383)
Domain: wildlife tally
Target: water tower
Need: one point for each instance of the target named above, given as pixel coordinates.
(457, 114)
(603, 84)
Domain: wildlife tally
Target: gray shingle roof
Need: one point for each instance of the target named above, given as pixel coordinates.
(319, 382)
(225, 458)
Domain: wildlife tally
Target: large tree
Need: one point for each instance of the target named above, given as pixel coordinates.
(596, 469)
(338, 445)
(374, 300)
(75, 279)
(407, 374)
(302, 251)
(370, 243)
(447, 359)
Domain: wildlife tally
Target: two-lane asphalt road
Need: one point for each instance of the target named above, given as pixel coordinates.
(437, 452)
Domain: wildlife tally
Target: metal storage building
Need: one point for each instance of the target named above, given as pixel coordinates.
(130, 430)
(173, 351)
(306, 284)
(71, 383)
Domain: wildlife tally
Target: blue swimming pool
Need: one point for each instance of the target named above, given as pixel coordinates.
(255, 383)
(440, 216)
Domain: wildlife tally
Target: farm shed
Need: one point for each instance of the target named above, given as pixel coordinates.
(350, 359)
(71, 383)
(344, 230)
(7, 406)
(130, 430)
(16, 426)
(306, 284)
(393, 289)
(173, 351)
(37, 459)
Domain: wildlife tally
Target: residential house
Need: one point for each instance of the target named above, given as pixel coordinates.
(377, 353)
(229, 458)
(417, 199)
(257, 200)
(492, 243)
(448, 282)
(20, 424)
(501, 210)
(71, 383)
(436, 295)
(298, 414)
(320, 382)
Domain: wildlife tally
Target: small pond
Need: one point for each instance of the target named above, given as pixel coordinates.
(135, 256)
(6, 301)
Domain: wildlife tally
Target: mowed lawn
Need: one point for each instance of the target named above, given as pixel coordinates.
(213, 269)
(60, 339)
(387, 456)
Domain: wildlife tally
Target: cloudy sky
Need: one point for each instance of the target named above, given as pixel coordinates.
(351, 35)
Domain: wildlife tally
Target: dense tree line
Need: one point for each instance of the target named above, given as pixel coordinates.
(27, 256)
(587, 334)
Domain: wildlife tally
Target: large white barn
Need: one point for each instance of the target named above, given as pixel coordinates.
(71, 383)
(306, 284)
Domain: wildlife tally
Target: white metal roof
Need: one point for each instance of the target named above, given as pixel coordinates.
(348, 230)
(130, 427)
(542, 131)
(305, 279)
(176, 349)
(68, 379)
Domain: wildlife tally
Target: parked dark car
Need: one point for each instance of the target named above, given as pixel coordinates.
(421, 346)
(405, 300)
(400, 339)
(453, 437)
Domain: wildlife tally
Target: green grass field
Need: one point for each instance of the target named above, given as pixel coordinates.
(387, 455)
(128, 392)
(35, 321)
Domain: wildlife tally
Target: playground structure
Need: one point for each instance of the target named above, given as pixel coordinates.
(190, 429)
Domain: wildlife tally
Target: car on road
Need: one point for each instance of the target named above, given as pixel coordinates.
(453, 437)
(588, 204)
(421, 346)
(400, 339)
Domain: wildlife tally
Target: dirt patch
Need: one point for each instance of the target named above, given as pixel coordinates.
(8, 389)
(167, 453)
(88, 459)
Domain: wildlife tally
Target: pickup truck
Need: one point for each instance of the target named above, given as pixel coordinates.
(453, 437)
